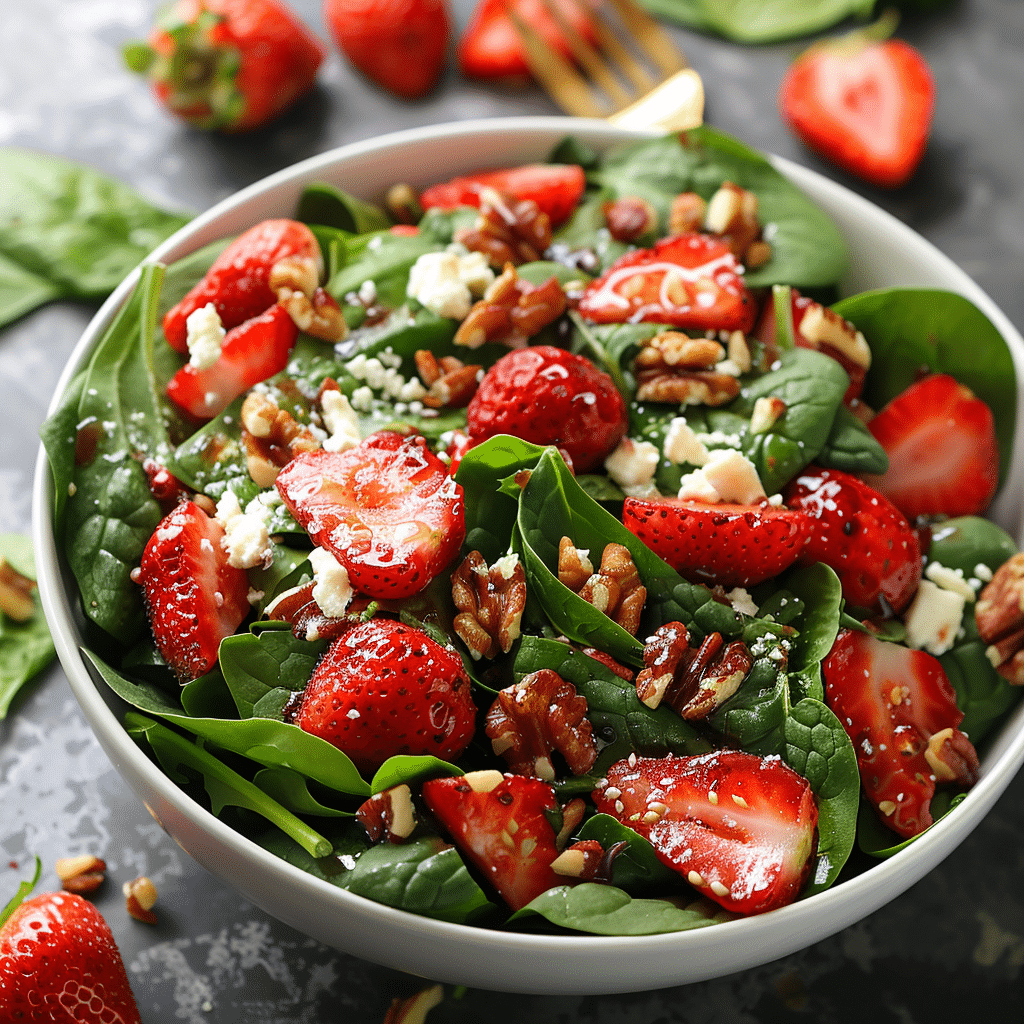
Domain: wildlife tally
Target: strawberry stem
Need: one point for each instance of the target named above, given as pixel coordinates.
(19, 897)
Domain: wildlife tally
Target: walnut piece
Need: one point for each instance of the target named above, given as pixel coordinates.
(490, 603)
(693, 681)
(388, 816)
(507, 230)
(615, 588)
(539, 714)
(673, 367)
(999, 613)
(450, 383)
(272, 438)
(295, 280)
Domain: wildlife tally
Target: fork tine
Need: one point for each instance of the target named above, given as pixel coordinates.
(588, 58)
(611, 45)
(650, 36)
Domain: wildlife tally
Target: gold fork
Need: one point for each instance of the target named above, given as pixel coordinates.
(611, 82)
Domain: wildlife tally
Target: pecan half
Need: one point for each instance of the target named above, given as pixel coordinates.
(450, 383)
(673, 367)
(686, 213)
(693, 681)
(540, 714)
(615, 589)
(507, 230)
(296, 282)
(490, 603)
(272, 438)
(1000, 617)
(388, 816)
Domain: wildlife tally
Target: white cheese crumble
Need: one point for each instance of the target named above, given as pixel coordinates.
(341, 421)
(741, 601)
(445, 282)
(332, 590)
(949, 579)
(245, 539)
(933, 618)
(682, 444)
(633, 463)
(205, 336)
(727, 476)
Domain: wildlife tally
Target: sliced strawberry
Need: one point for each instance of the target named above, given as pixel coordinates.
(490, 46)
(238, 283)
(691, 281)
(555, 188)
(252, 352)
(194, 598)
(387, 509)
(547, 395)
(733, 545)
(899, 710)
(861, 535)
(384, 688)
(943, 454)
(502, 823)
(740, 828)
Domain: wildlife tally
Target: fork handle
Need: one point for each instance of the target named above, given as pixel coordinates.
(674, 105)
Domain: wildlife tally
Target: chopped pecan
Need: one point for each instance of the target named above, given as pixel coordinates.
(140, 898)
(1000, 617)
(629, 218)
(403, 205)
(16, 593)
(691, 680)
(388, 816)
(272, 437)
(687, 213)
(673, 367)
(539, 714)
(80, 874)
(732, 213)
(582, 860)
(673, 349)
(952, 757)
(507, 230)
(450, 383)
(296, 282)
(490, 603)
(825, 329)
(512, 311)
(614, 589)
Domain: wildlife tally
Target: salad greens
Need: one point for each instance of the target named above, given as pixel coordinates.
(227, 735)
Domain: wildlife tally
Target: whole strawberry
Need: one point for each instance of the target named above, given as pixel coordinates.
(228, 65)
(385, 688)
(400, 44)
(546, 395)
(59, 961)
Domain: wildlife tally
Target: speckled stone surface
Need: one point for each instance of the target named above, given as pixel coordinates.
(951, 948)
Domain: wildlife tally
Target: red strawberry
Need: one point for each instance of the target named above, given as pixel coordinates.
(546, 395)
(194, 598)
(899, 710)
(400, 44)
(863, 102)
(740, 828)
(503, 824)
(941, 443)
(555, 188)
(384, 688)
(733, 545)
(59, 961)
(861, 535)
(251, 352)
(238, 283)
(387, 509)
(691, 281)
(229, 65)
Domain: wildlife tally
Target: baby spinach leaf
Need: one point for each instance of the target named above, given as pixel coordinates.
(111, 515)
(606, 910)
(68, 232)
(269, 743)
(636, 869)
(439, 225)
(817, 746)
(58, 436)
(908, 328)
(385, 259)
(223, 785)
(876, 840)
(982, 694)
(324, 203)
(25, 647)
(851, 447)
(291, 790)
(410, 768)
(759, 21)
(966, 542)
(754, 717)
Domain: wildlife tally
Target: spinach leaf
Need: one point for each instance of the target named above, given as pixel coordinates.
(605, 910)
(223, 785)
(982, 694)
(291, 790)
(383, 258)
(25, 647)
(878, 841)
(851, 447)
(966, 542)
(68, 232)
(754, 717)
(636, 869)
(58, 436)
(410, 768)
(908, 328)
(324, 203)
(111, 515)
(759, 21)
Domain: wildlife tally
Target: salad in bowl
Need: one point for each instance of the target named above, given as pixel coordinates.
(558, 556)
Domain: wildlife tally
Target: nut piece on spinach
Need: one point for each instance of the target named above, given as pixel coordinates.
(490, 603)
(615, 588)
(1000, 617)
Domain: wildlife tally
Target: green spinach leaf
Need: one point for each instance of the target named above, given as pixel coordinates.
(636, 869)
(324, 203)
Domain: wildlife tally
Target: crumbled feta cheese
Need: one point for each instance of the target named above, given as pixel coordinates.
(362, 399)
(445, 282)
(933, 618)
(633, 462)
(332, 590)
(341, 421)
(205, 336)
(245, 539)
(727, 476)
(682, 444)
(949, 579)
(983, 572)
(741, 601)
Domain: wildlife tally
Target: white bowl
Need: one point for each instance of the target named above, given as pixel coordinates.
(885, 252)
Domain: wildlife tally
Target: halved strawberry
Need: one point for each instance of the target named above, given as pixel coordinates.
(387, 509)
(503, 823)
(941, 443)
(899, 709)
(238, 283)
(691, 281)
(861, 535)
(252, 352)
(733, 545)
(555, 188)
(194, 598)
(739, 828)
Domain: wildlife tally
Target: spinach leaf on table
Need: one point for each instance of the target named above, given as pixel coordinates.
(67, 231)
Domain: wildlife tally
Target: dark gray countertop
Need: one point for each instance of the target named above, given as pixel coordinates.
(952, 947)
